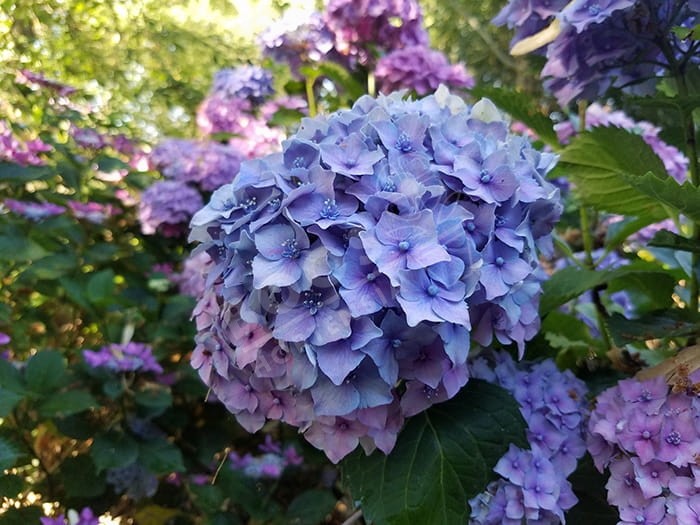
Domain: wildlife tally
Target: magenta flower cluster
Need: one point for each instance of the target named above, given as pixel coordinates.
(533, 486)
(648, 436)
(351, 270)
(166, 208)
(35, 211)
(605, 43)
(130, 357)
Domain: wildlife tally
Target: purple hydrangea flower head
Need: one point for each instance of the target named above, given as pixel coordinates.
(248, 82)
(598, 44)
(93, 212)
(204, 164)
(420, 69)
(645, 433)
(131, 357)
(220, 114)
(298, 38)
(352, 256)
(533, 487)
(23, 152)
(167, 206)
(361, 26)
(34, 211)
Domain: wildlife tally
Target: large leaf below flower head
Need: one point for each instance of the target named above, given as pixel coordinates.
(521, 107)
(604, 162)
(443, 457)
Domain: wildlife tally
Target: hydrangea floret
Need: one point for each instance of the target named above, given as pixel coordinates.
(350, 271)
(533, 486)
(645, 432)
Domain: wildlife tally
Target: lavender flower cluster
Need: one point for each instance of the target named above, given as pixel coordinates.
(130, 357)
(351, 270)
(268, 465)
(648, 436)
(602, 44)
(533, 488)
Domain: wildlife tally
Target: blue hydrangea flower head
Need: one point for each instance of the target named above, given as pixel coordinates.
(347, 271)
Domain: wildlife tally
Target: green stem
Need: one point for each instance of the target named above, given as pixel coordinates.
(310, 97)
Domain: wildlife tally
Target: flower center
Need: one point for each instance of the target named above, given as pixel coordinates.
(389, 186)
(291, 249)
(471, 227)
(250, 204)
(674, 438)
(500, 221)
(396, 343)
(371, 276)
(433, 290)
(299, 162)
(329, 210)
(485, 177)
(500, 261)
(404, 246)
(312, 301)
(403, 143)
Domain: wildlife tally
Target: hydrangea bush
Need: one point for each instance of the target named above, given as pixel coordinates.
(387, 277)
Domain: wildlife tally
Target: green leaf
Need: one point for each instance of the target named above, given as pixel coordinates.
(21, 515)
(80, 478)
(67, 403)
(443, 457)
(8, 401)
(667, 323)
(602, 162)
(100, 287)
(9, 453)
(45, 372)
(10, 377)
(310, 507)
(338, 74)
(161, 457)
(52, 267)
(667, 239)
(570, 282)
(113, 449)
(21, 249)
(10, 172)
(155, 398)
(10, 485)
(592, 507)
(245, 492)
(684, 198)
(77, 426)
(522, 107)
(618, 232)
